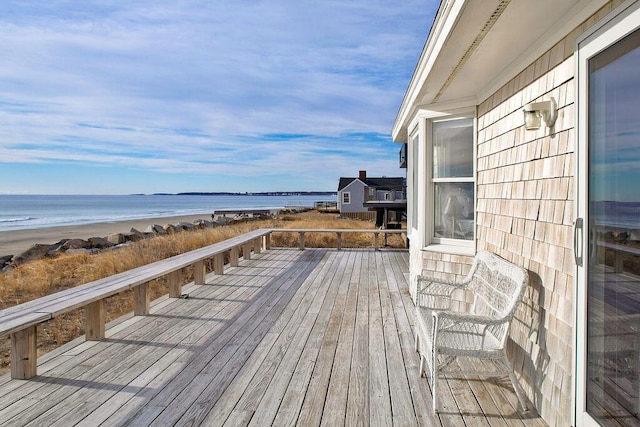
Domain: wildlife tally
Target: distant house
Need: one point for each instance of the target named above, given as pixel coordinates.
(359, 197)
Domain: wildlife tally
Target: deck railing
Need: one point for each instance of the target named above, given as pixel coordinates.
(20, 321)
(339, 232)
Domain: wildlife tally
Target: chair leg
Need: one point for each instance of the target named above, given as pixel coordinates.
(434, 380)
(416, 342)
(434, 384)
(516, 388)
(421, 366)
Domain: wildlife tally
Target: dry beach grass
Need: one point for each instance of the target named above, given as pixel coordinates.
(39, 278)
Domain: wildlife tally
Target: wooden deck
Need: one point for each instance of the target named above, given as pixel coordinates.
(314, 337)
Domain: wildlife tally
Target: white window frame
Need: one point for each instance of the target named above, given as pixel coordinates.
(442, 244)
(414, 181)
(348, 197)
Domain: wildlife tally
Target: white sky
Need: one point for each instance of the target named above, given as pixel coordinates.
(140, 96)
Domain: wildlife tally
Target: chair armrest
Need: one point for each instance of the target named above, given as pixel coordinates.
(453, 317)
(432, 286)
(436, 294)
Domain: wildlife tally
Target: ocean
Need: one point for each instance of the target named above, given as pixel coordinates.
(616, 214)
(22, 212)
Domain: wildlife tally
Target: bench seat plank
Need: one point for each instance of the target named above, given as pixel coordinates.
(17, 323)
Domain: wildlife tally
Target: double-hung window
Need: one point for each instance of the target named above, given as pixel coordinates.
(451, 181)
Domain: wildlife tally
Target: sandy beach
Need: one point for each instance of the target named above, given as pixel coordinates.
(16, 242)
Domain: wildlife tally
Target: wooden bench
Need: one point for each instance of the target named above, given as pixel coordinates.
(20, 321)
(469, 318)
(620, 253)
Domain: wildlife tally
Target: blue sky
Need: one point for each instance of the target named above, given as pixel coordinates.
(117, 97)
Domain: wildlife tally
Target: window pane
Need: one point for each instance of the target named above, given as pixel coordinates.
(453, 149)
(454, 210)
(415, 144)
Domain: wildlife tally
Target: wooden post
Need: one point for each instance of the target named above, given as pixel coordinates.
(218, 264)
(246, 251)
(24, 354)
(267, 242)
(618, 261)
(375, 241)
(199, 273)
(257, 245)
(94, 321)
(301, 244)
(234, 254)
(142, 299)
(339, 240)
(175, 287)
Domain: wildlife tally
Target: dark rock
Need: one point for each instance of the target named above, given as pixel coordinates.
(156, 229)
(170, 229)
(88, 251)
(203, 223)
(116, 238)
(185, 226)
(37, 251)
(135, 235)
(224, 220)
(75, 244)
(5, 260)
(100, 243)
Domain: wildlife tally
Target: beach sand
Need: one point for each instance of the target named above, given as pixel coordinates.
(16, 242)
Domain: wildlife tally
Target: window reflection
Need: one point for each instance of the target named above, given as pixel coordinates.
(613, 374)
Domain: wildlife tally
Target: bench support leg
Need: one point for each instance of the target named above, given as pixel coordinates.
(199, 273)
(143, 299)
(301, 241)
(267, 242)
(175, 287)
(257, 245)
(339, 244)
(24, 354)
(234, 254)
(246, 251)
(218, 264)
(95, 321)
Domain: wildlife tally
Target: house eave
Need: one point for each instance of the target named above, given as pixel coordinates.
(474, 48)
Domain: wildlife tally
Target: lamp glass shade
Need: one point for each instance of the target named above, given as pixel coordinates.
(532, 120)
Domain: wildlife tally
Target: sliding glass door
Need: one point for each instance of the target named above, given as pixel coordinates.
(608, 285)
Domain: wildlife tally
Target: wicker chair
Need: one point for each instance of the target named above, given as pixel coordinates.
(469, 318)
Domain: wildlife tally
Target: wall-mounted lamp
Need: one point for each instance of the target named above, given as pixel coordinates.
(537, 111)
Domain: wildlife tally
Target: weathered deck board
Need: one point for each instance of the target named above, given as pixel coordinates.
(314, 337)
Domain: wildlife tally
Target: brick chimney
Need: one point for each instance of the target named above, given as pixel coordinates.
(362, 175)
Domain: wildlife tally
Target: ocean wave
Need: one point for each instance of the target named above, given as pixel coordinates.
(19, 219)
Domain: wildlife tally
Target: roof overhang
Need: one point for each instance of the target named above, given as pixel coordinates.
(476, 47)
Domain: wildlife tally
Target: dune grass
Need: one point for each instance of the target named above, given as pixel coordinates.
(39, 278)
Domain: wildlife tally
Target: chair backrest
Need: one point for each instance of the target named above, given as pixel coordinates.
(498, 286)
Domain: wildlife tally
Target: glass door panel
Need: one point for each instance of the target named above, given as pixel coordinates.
(613, 267)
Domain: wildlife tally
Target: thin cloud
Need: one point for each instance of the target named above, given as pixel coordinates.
(254, 88)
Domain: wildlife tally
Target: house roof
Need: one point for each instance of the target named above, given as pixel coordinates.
(394, 183)
(476, 47)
